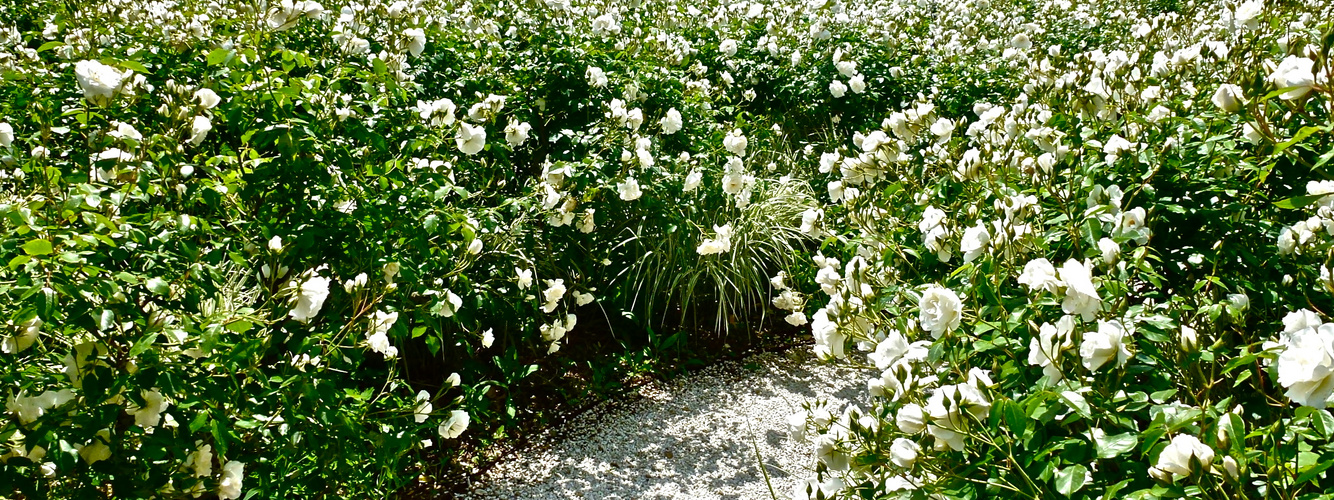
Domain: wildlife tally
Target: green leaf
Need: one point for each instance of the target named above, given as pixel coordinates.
(1077, 403)
(218, 56)
(1296, 202)
(1070, 479)
(240, 326)
(1163, 396)
(135, 65)
(1324, 423)
(37, 247)
(1314, 471)
(1112, 490)
(143, 344)
(200, 420)
(219, 437)
(1115, 445)
(893, 188)
(158, 286)
(433, 344)
(1014, 416)
(49, 45)
(18, 261)
(1301, 136)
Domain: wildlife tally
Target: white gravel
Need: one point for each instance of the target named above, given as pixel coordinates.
(693, 438)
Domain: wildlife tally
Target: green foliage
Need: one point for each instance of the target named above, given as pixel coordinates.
(315, 251)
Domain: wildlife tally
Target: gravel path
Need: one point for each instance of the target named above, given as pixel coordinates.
(692, 438)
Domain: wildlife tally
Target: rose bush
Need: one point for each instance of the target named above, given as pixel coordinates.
(1173, 158)
(304, 249)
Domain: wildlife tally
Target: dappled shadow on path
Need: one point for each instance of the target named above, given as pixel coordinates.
(694, 438)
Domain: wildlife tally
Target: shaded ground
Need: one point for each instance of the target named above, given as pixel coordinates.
(691, 438)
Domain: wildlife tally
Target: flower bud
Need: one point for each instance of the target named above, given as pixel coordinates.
(1231, 470)
(1190, 339)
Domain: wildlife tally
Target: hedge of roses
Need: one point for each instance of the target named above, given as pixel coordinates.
(299, 249)
(306, 249)
(1113, 284)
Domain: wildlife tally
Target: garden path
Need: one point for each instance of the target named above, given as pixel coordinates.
(692, 438)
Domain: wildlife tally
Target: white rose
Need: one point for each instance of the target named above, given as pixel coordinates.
(1299, 320)
(1102, 345)
(946, 438)
(736, 142)
(310, 299)
(201, 461)
(1132, 225)
(903, 452)
(582, 299)
(207, 98)
(1306, 366)
(910, 418)
(99, 81)
(416, 41)
(199, 129)
(796, 319)
(728, 47)
(1230, 468)
(378, 340)
(629, 190)
(975, 240)
(6, 135)
(1021, 41)
(230, 485)
(1251, 134)
(889, 350)
(423, 410)
(857, 84)
(552, 295)
(596, 77)
(470, 139)
(150, 414)
(734, 182)
(1248, 14)
(450, 305)
(1296, 73)
(634, 118)
(1190, 339)
(525, 277)
(1176, 457)
(1228, 98)
(1110, 250)
(672, 123)
(837, 89)
(1080, 296)
(846, 68)
(455, 425)
(940, 310)
(796, 427)
(1045, 350)
(517, 133)
(828, 340)
(721, 244)
(692, 181)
